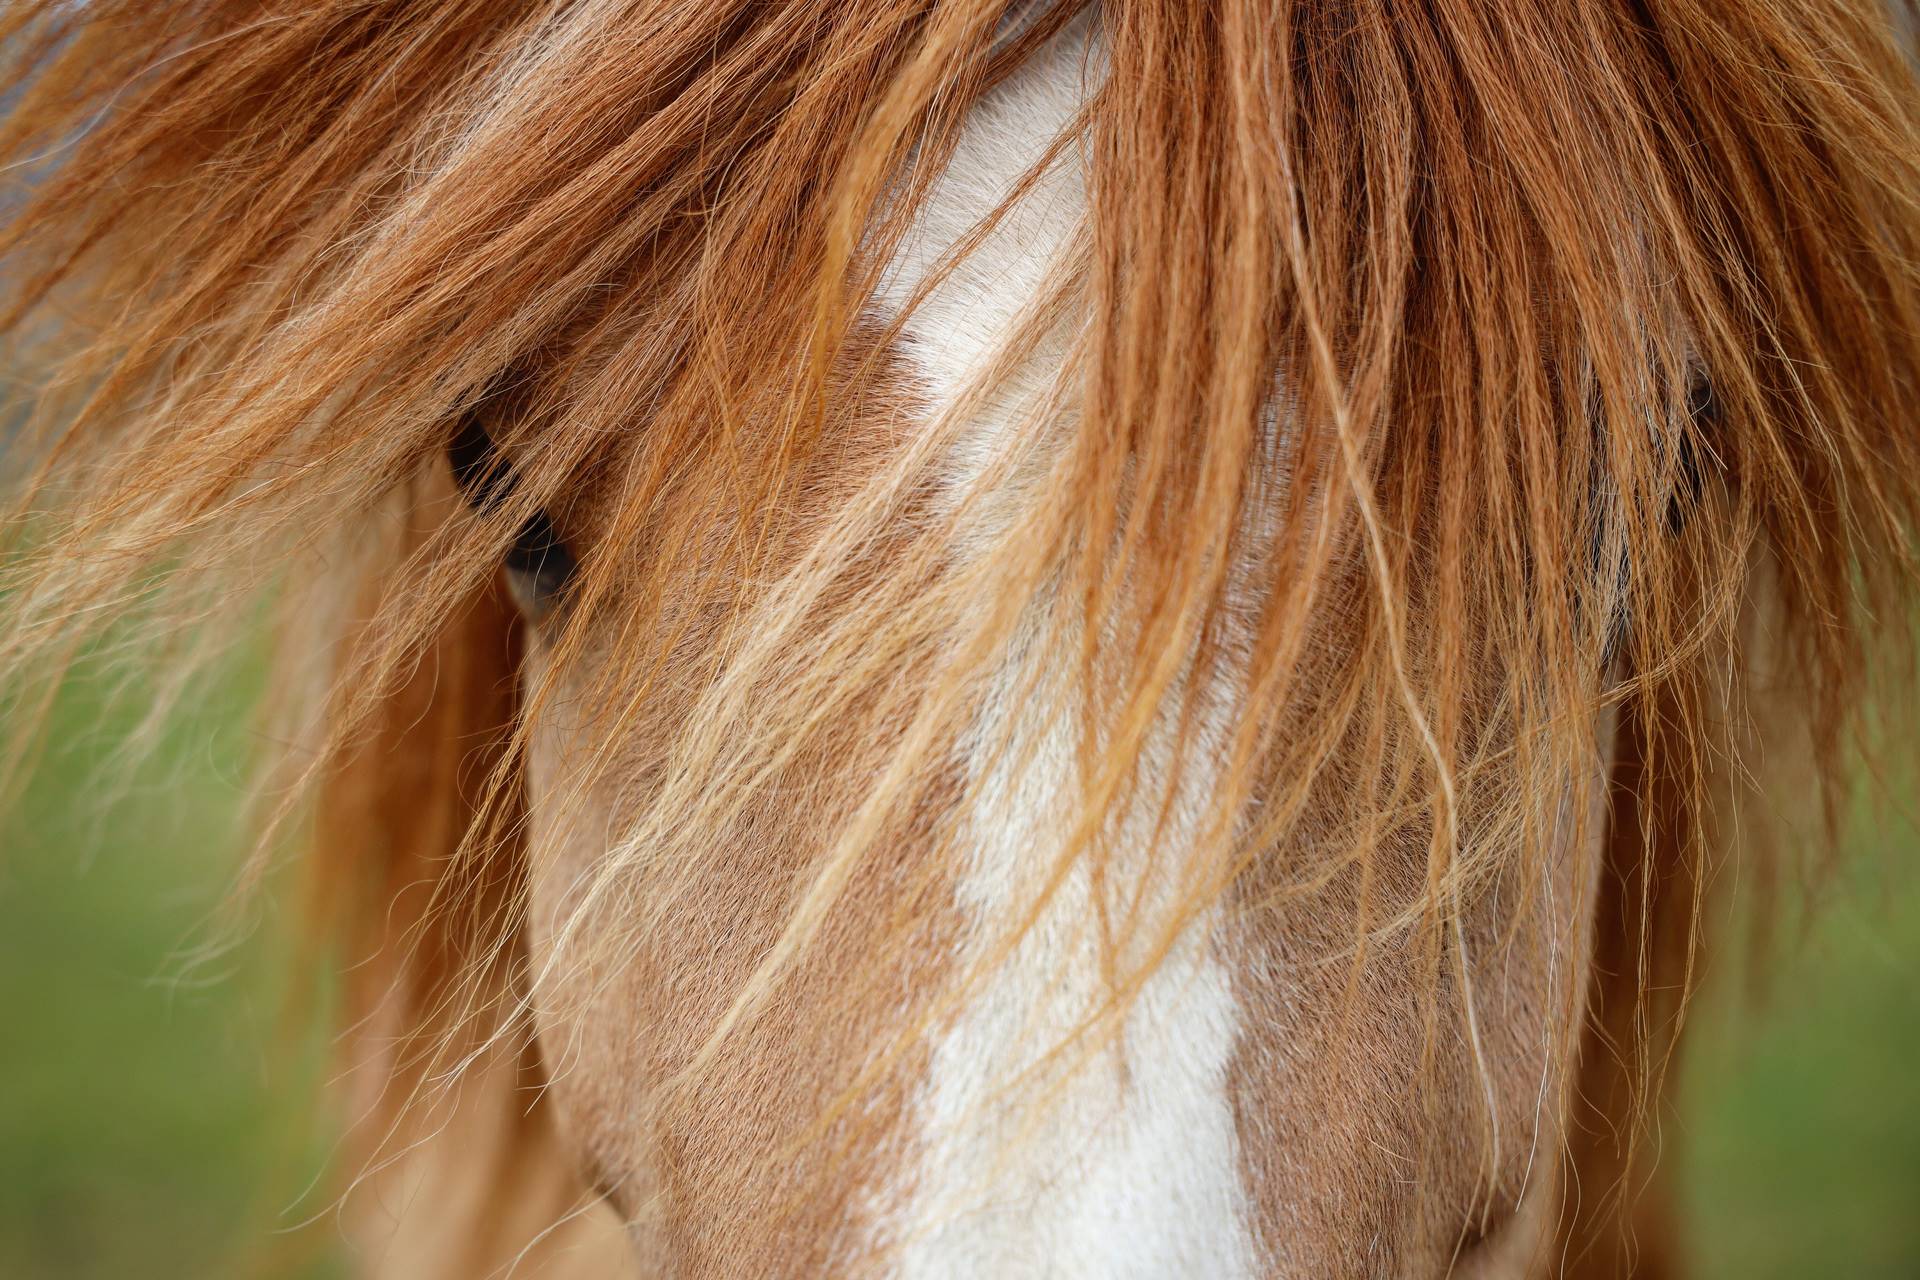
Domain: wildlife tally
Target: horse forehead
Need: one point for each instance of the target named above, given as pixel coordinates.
(955, 316)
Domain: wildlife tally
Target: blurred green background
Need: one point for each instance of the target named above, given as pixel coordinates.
(160, 1115)
(160, 1060)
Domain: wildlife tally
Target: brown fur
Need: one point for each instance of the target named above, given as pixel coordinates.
(460, 1174)
(273, 250)
(737, 1171)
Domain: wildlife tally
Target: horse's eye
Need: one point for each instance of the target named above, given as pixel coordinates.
(538, 565)
(537, 562)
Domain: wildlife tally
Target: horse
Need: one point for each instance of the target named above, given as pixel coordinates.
(987, 638)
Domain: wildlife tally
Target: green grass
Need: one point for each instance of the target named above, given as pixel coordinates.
(1798, 1122)
(158, 1118)
(158, 1108)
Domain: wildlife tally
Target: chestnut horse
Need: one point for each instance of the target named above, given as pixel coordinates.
(963, 638)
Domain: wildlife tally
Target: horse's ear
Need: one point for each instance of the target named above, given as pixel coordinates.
(457, 1167)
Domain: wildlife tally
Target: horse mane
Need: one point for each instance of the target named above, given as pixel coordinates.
(1436, 378)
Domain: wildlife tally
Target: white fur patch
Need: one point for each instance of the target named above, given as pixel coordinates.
(1130, 1166)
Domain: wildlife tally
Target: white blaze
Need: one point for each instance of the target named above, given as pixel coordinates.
(1131, 1168)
